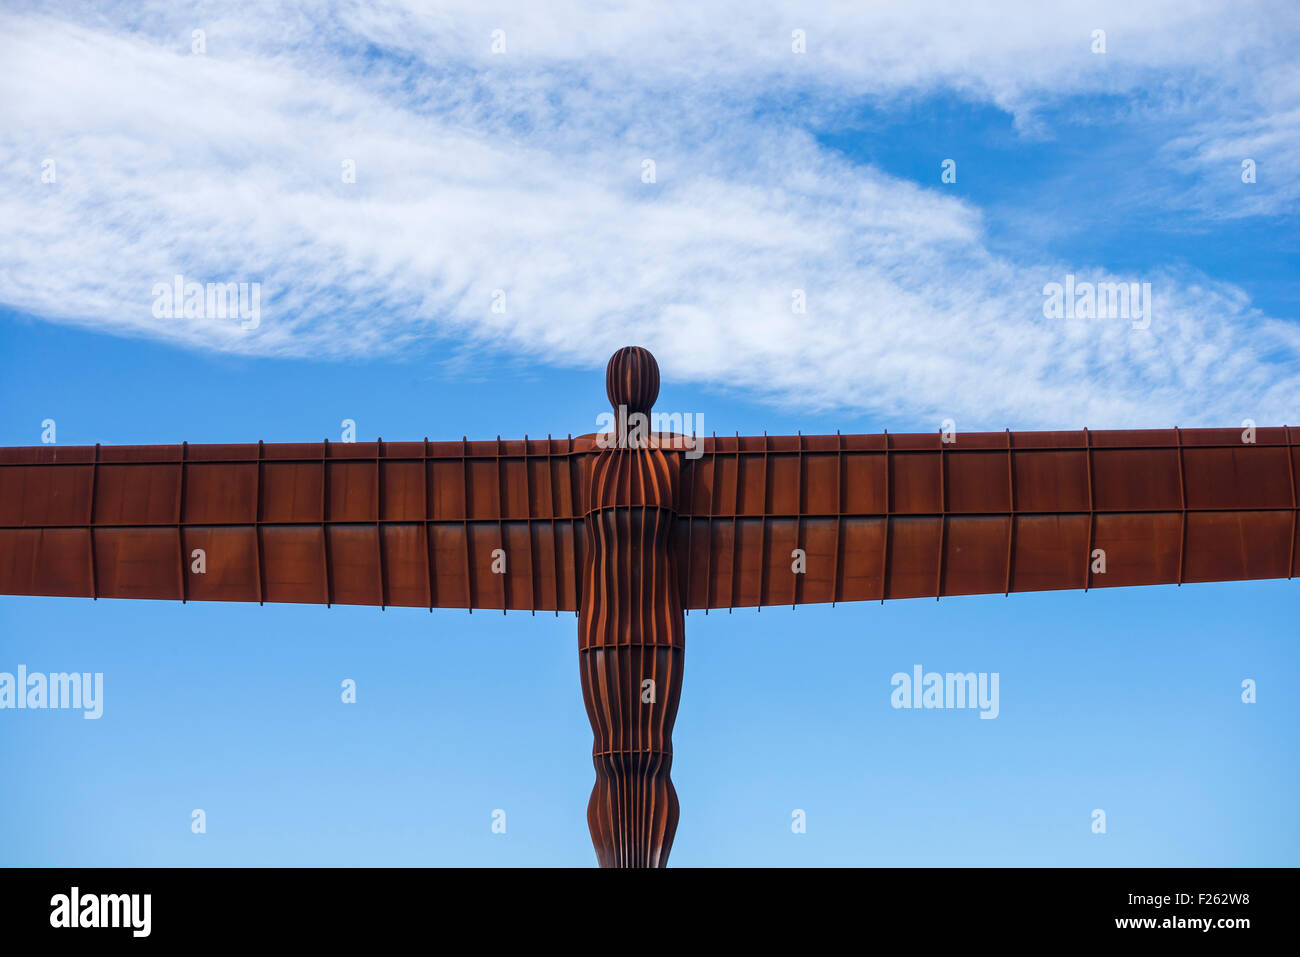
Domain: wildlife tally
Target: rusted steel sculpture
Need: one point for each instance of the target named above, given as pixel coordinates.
(633, 535)
(631, 630)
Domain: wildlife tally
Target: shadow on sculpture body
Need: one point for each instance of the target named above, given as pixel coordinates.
(631, 633)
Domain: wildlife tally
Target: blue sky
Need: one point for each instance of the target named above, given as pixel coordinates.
(522, 171)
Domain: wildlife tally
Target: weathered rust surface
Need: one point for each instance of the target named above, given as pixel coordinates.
(879, 516)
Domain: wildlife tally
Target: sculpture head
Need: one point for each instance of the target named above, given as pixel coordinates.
(632, 379)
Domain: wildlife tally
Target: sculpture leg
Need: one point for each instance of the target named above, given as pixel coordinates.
(633, 809)
(631, 650)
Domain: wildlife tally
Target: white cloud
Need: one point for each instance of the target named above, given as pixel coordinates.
(523, 172)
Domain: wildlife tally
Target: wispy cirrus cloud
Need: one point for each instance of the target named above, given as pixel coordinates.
(522, 172)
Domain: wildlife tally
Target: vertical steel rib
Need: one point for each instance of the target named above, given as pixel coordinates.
(1092, 511)
(257, 525)
(464, 512)
(762, 525)
(797, 578)
(90, 525)
(1011, 517)
(324, 522)
(943, 516)
(1182, 506)
(888, 517)
(379, 515)
(1290, 464)
(180, 519)
(427, 513)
